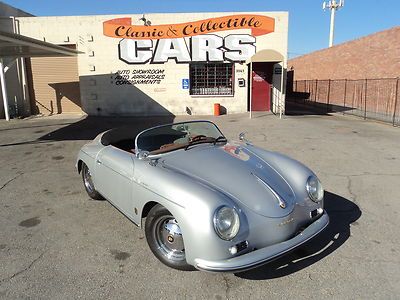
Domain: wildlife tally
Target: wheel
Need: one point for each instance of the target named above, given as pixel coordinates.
(88, 183)
(165, 238)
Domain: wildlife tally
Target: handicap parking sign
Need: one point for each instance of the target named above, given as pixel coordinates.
(185, 84)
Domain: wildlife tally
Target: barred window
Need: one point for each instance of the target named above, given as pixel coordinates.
(211, 79)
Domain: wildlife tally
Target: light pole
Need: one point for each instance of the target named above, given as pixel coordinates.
(333, 5)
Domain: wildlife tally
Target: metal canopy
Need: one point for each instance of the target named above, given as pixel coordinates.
(267, 55)
(15, 45)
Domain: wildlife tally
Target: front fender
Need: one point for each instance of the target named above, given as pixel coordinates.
(193, 204)
(294, 172)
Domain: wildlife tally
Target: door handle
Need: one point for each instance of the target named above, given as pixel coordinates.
(98, 161)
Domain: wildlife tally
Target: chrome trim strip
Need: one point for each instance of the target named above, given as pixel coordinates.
(281, 202)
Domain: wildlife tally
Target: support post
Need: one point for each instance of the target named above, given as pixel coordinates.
(315, 92)
(328, 95)
(395, 101)
(281, 96)
(344, 96)
(365, 97)
(251, 86)
(4, 90)
(25, 93)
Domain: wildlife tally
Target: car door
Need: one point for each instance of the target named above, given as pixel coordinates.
(114, 178)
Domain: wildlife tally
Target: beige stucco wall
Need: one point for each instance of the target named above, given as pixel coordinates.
(100, 61)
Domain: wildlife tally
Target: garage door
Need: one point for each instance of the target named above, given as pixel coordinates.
(55, 84)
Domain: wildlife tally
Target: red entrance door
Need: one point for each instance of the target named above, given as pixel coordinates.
(261, 90)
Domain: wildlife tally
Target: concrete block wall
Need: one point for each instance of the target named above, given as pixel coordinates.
(373, 56)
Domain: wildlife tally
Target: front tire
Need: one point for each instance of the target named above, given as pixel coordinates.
(165, 239)
(88, 183)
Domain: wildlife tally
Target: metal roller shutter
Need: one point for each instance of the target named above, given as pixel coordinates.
(56, 85)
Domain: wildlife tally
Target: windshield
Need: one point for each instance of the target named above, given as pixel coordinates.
(176, 136)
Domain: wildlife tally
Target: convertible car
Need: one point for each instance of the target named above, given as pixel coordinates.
(205, 202)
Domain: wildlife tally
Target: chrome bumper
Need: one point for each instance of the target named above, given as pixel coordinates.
(261, 256)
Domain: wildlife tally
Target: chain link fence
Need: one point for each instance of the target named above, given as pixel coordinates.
(376, 99)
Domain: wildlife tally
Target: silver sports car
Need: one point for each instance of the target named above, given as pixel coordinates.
(205, 202)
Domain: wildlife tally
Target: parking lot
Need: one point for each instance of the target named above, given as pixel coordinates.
(56, 243)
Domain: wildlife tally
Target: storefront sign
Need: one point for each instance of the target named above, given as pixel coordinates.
(123, 28)
(203, 48)
(157, 44)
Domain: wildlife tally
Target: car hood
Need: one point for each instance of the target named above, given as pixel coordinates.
(236, 171)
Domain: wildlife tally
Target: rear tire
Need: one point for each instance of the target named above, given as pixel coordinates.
(88, 183)
(165, 239)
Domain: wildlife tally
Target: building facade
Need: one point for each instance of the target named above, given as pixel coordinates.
(157, 64)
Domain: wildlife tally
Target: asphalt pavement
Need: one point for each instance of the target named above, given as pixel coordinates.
(56, 243)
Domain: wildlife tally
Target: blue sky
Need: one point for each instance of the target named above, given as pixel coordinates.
(308, 23)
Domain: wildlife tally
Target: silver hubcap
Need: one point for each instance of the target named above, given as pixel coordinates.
(169, 238)
(87, 178)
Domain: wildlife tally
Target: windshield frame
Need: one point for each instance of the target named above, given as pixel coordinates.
(138, 150)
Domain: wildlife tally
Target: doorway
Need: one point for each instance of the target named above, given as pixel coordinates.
(261, 77)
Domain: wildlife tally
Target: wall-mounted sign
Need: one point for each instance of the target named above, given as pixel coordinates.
(185, 84)
(123, 28)
(278, 71)
(134, 77)
(203, 48)
(157, 44)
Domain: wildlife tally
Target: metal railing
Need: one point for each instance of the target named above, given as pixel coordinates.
(376, 99)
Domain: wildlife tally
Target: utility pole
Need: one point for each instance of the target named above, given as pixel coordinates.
(333, 5)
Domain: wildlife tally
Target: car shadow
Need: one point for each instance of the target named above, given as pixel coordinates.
(342, 213)
(89, 127)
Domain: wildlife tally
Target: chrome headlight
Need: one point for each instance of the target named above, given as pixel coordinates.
(226, 222)
(314, 189)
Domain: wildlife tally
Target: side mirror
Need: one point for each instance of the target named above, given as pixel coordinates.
(142, 154)
(242, 138)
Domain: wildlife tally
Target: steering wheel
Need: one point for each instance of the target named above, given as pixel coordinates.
(197, 138)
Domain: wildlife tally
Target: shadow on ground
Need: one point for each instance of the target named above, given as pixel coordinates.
(89, 127)
(299, 109)
(302, 107)
(342, 212)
